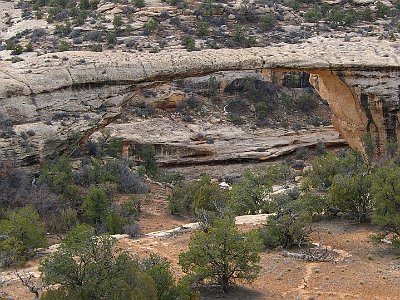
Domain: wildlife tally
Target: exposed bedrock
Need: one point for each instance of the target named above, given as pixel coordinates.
(70, 95)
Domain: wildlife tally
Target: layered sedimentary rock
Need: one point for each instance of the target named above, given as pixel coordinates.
(67, 96)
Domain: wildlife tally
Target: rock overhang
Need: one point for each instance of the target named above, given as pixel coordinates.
(100, 83)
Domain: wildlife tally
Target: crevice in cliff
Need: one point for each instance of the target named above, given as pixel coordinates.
(85, 136)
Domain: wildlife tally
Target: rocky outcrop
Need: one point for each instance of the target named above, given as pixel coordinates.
(70, 95)
(179, 143)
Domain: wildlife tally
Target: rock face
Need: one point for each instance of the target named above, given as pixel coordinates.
(70, 95)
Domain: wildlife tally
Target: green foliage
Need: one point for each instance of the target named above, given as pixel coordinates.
(209, 8)
(382, 10)
(235, 119)
(202, 29)
(187, 198)
(139, 3)
(21, 232)
(248, 195)
(96, 48)
(174, 2)
(306, 102)
(207, 195)
(325, 167)
(315, 14)
(64, 221)
(351, 194)
(188, 42)
(64, 46)
(117, 22)
(17, 49)
(365, 14)
(369, 146)
(170, 177)
(63, 29)
(241, 36)
(88, 4)
(108, 145)
(159, 269)
(250, 89)
(290, 224)
(28, 47)
(222, 255)
(59, 177)
(268, 22)
(212, 86)
(86, 268)
(148, 157)
(385, 195)
(151, 25)
(95, 206)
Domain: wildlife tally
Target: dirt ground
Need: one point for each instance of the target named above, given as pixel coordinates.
(362, 269)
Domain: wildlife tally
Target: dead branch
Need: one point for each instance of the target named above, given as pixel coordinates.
(316, 254)
(28, 282)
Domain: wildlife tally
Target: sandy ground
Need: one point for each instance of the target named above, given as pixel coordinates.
(363, 270)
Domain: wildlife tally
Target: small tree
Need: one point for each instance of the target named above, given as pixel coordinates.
(20, 234)
(188, 42)
(351, 195)
(291, 223)
(222, 255)
(148, 157)
(95, 206)
(85, 268)
(385, 194)
(247, 196)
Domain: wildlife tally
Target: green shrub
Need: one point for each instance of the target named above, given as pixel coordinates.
(187, 198)
(222, 255)
(268, 22)
(382, 10)
(64, 46)
(202, 29)
(212, 86)
(306, 102)
(95, 206)
(85, 267)
(209, 8)
(159, 269)
(58, 175)
(365, 14)
(29, 47)
(63, 29)
(21, 232)
(290, 225)
(248, 195)
(325, 167)
(139, 3)
(96, 48)
(151, 25)
(314, 14)
(148, 159)
(235, 119)
(170, 177)
(385, 195)
(351, 194)
(188, 42)
(262, 110)
(241, 36)
(17, 50)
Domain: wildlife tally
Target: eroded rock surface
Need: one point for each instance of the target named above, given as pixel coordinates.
(70, 95)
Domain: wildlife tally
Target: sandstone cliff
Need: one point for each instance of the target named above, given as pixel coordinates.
(72, 94)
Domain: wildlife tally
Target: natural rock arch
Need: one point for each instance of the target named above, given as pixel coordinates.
(83, 91)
